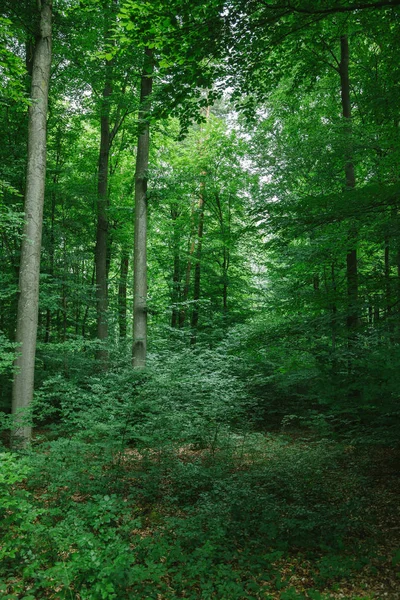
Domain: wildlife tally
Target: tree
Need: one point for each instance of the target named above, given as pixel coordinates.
(351, 257)
(139, 349)
(31, 244)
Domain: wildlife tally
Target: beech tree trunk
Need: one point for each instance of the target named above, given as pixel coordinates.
(351, 257)
(27, 317)
(197, 268)
(225, 233)
(188, 270)
(122, 303)
(139, 349)
(387, 277)
(334, 307)
(176, 275)
(102, 217)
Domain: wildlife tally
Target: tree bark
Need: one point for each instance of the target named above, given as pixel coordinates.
(387, 277)
(186, 287)
(334, 307)
(139, 349)
(102, 217)
(27, 317)
(176, 275)
(351, 257)
(197, 268)
(122, 303)
(225, 233)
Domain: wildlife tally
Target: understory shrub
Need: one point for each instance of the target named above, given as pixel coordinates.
(187, 396)
(178, 521)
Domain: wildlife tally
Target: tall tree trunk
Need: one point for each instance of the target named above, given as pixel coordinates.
(122, 303)
(139, 349)
(351, 257)
(334, 307)
(176, 275)
(28, 303)
(387, 277)
(186, 287)
(102, 217)
(197, 268)
(225, 234)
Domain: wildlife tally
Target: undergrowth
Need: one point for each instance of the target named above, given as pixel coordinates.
(94, 521)
(147, 486)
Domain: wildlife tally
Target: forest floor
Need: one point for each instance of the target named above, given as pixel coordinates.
(380, 578)
(200, 523)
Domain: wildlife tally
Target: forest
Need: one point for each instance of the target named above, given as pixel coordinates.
(199, 299)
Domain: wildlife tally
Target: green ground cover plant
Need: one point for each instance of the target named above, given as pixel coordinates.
(124, 498)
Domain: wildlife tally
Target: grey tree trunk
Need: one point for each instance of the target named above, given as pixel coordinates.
(176, 275)
(27, 317)
(122, 287)
(334, 307)
(102, 217)
(186, 287)
(387, 277)
(139, 348)
(225, 233)
(197, 269)
(351, 258)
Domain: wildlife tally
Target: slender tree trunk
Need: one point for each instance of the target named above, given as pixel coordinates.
(102, 217)
(122, 287)
(139, 349)
(334, 307)
(351, 258)
(186, 287)
(28, 303)
(225, 233)
(197, 268)
(387, 277)
(176, 275)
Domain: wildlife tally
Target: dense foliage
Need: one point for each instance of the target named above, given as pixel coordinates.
(253, 456)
